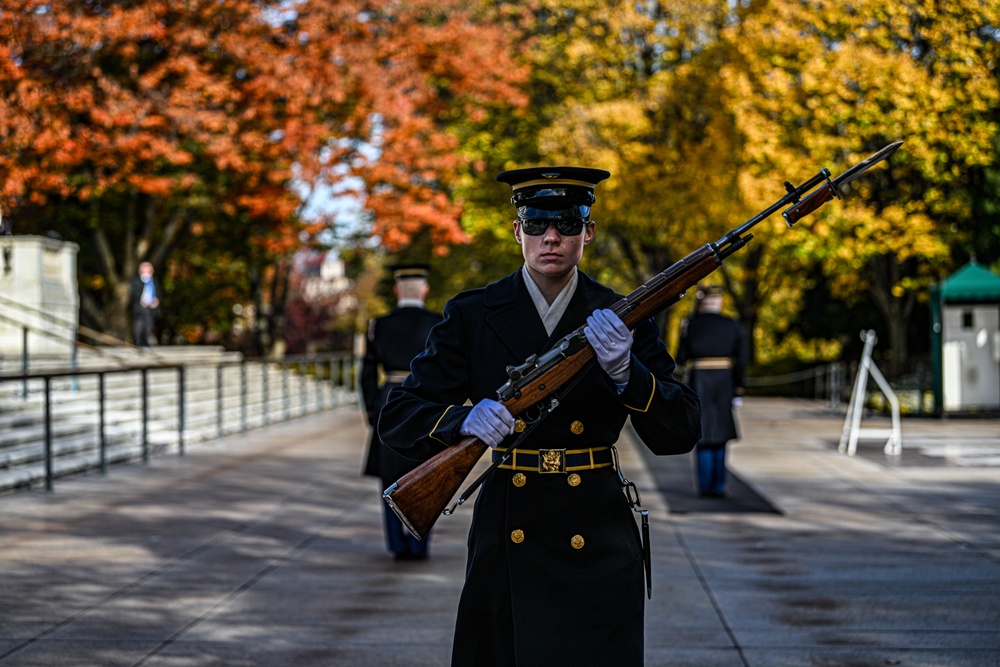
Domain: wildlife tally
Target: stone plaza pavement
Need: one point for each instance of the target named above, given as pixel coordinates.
(266, 549)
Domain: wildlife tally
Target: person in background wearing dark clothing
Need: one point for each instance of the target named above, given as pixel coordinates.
(392, 342)
(712, 347)
(145, 305)
(555, 559)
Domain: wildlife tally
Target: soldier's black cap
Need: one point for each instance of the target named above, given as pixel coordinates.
(710, 290)
(403, 271)
(553, 192)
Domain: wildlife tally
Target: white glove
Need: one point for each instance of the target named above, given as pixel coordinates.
(737, 402)
(489, 421)
(612, 343)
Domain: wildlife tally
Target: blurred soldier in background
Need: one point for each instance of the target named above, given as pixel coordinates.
(712, 346)
(392, 342)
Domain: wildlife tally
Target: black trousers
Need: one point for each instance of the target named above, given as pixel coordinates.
(142, 327)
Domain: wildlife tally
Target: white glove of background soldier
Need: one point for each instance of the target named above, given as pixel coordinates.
(489, 421)
(612, 343)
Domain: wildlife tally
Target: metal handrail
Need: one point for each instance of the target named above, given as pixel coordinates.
(333, 370)
(101, 408)
(827, 381)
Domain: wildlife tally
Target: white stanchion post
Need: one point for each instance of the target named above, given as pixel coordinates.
(852, 423)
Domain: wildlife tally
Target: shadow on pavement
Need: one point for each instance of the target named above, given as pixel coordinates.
(674, 477)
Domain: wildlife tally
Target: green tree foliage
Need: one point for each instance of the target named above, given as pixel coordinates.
(595, 99)
(701, 110)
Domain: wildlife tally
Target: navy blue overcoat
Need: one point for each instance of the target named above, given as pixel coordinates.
(555, 570)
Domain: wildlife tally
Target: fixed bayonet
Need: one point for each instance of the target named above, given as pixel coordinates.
(865, 165)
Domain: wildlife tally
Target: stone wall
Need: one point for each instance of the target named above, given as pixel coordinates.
(38, 290)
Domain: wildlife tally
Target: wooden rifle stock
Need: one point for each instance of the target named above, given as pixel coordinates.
(420, 496)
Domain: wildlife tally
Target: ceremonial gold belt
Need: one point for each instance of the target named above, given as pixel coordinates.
(396, 377)
(712, 363)
(555, 460)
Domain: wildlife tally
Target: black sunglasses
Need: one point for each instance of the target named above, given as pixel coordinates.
(565, 226)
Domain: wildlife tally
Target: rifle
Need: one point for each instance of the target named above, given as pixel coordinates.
(422, 495)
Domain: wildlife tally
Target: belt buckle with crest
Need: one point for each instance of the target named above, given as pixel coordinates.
(552, 461)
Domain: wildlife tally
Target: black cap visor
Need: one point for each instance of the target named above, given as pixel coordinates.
(564, 212)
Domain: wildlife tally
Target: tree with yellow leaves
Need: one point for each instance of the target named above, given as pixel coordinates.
(832, 83)
(702, 110)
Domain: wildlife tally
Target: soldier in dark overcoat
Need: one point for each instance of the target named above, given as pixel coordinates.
(555, 564)
(392, 342)
(712, 347)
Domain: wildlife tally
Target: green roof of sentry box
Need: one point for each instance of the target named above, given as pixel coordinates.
(972, 282)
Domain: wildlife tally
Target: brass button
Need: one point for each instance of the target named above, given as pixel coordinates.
(517, 536)
(519, 480)
(576, 541)
(519, 426)
(573, 480)
(576, 428)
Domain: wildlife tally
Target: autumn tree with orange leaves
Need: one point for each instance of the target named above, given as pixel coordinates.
(185, 133)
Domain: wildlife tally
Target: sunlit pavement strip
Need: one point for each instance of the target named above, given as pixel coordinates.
(959, 452)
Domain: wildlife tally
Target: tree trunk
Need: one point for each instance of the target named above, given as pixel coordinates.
(896, 310)
(748, 297)
(279, 301)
